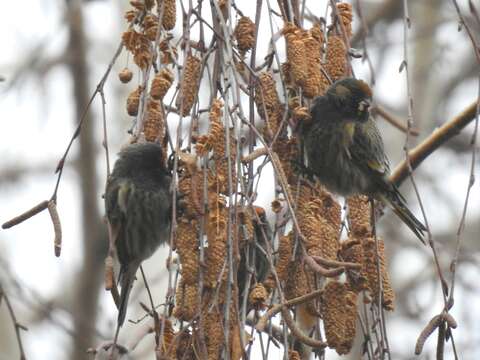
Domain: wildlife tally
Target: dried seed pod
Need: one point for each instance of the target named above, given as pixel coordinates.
(150, 24)
(370, 251)
(296, 53)
(214, 334)
(161, 83)
(186, 301)
(321, 235)
(130, 15)
(339, 311)
(336, 65)
(187, 248)
(189, 85)
(139, 45)
(285, 253)
(266, 96)
(245, 33)
(153, 126)
(352, 251)
(359, 215)
(258, 296)
(166, 346)
(133, 101)
(167, 52)
(169, 14)
(316, 83)
(125, 75)
(344, 12)
(294, 355)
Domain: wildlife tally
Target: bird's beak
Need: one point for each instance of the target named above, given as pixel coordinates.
(364, 105)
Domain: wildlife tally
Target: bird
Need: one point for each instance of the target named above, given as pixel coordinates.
(138, 206)
(344, 148)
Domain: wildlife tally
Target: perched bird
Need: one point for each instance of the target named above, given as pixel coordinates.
(138, 204)
(344, 148)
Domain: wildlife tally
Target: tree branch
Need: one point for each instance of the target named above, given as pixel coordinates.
(433, 142)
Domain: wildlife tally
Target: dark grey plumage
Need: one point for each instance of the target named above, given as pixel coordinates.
(138, 206)
(344, 148)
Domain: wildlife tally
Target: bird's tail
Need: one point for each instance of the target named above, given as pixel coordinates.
(125, 278)
(399, 206)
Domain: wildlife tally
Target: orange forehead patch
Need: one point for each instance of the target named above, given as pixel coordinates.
(342, 91)
(365, 88)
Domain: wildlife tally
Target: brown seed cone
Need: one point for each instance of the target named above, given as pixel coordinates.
(150, 24)
(167, 52)
(130, 15)
(370, 252)
(359, 215)
(296, 53)
(344, 12)
(266, 96)
(300, 282)
(217, 241)
(350, 322)
(336, 65)
(214, 334)
(191, 189)
(285, 253)
(169, 14)
(189, 85)
(315, 83)
(258, 296)
(321, 239)
(287, 151)
(167, 347)
(186, 301)
(133, 101)
(245, 33)
(125, 75)
(184, 346)
(236, 342)
(352, 251)
(187, 249)
(294, 355)
(339, 312)
(215, 141)
(161, 83)
(154, 127)
(139, 45)
(331, 209)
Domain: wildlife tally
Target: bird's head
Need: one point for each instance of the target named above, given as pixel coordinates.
(142, 156)
(352, 99)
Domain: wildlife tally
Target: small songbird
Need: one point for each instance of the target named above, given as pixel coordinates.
(344, 148)
(138, 204)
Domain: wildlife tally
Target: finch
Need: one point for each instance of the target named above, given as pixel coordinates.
(344, 148)
(138, 204)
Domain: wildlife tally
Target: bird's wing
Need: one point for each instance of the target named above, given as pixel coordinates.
(368, 153)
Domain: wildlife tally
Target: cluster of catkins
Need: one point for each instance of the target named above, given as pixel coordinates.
(209, 230)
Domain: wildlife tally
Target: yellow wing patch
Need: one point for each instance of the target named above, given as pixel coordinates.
(375, 165)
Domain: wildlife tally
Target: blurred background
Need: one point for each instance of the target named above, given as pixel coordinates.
(55, 53)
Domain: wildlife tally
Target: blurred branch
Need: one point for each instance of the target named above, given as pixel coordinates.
(433, 142)
(16, 324)
(393, 120)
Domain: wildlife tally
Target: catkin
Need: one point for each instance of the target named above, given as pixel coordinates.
(189, 85)
(296, 53)
(245, 33)
(169, 14)
(187, 248)
(370, 251)
(154, 127)
(336, 65)
(161, 83)
(339, 311)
